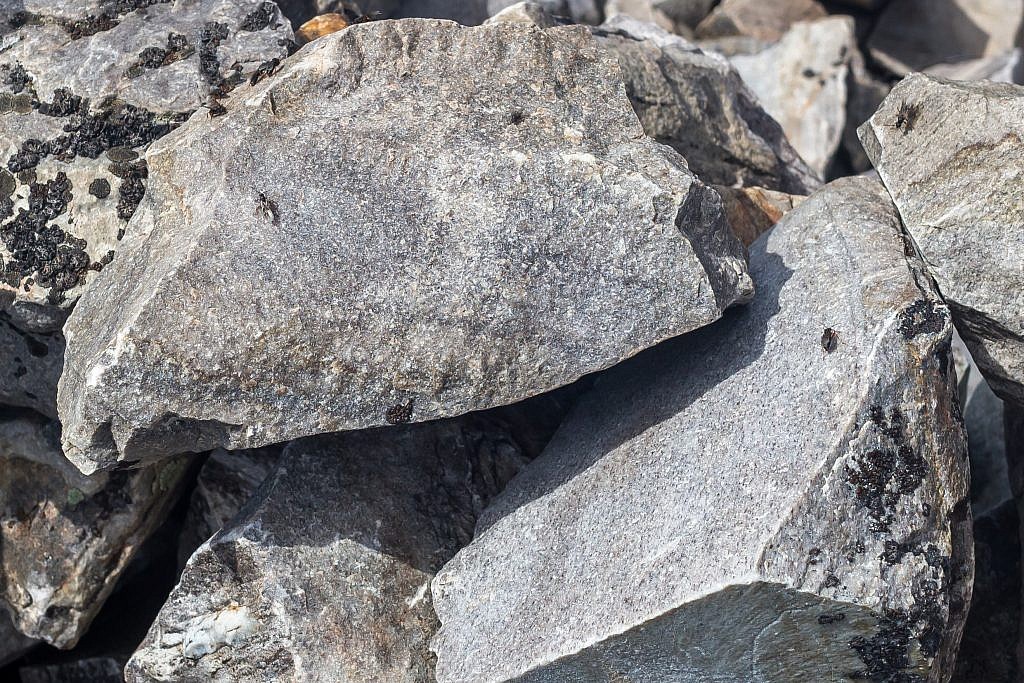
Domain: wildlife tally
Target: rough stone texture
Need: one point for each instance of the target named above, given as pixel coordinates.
(30, 366)
(91, 670)
(762, 19)
(66, 538)
(952, 157)
(741, 503)
(802, 82)
(72, 163)
(911, 35)
(467, 242)
(325, 576)
(697, 103)
(226, 481)
(752, 211)
(639, 10)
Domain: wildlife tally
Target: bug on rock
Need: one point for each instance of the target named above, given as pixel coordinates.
(829, 340)
(215, 108)
(267, 208)
(906, 117)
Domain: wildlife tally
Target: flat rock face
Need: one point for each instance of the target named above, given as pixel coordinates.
(325, 576)
(952, 157)
(781, 511)
(66, 538)
(84, 89)
(761, 19)
(802, 83)
(467, 242)
(911, 35)
(697, 103)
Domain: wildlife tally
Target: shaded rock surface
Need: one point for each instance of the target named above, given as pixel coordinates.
(952, 157)
(762, 19)
(697, 103)
(911, 35)
(752, 211)
(66, 538)
(84, 89)
(839, 544)
(1003, 68)
(801, 81)
(92, 670)
(12, 643)
(468, 242)
(325, 575)
(30, 366)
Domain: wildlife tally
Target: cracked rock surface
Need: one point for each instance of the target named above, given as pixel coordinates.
(839, 544)
(469, 242)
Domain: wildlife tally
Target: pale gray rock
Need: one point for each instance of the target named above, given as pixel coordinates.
(580, 11)
(84, 89)
(952, 157)
(325, 576)
(762, 19)
(30, 366)
(911, 35)
(743, 503)
(640, 10)
(1003, 68)
(225, 483)
(469, 225)
(801, 81)
(529, 13)
(697, 103)
(66, 538)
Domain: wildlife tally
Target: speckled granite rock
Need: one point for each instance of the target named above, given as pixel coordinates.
(226, 482)
(911, 35)
(468, 242)
(952, 157)
(802, 82)
(762, 19)
(697, 103)
(84, 88)
(66, 538)
(757, 500)
(325, 576)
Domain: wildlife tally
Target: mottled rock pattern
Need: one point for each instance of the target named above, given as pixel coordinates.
(30, 366)
(752, 211)
(84, 89)
(911, 35)
(325, 575)
(466, 242)
(697, 103)
(66, 538)
(755, 500)
(952, 157)
(801, 81)
(762, 19)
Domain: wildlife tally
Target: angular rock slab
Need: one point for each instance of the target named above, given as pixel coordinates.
(952, 157)
(742, 503)
(437, 220)
(697, 103)
(66, 538)
(325, 576)
(762, 19)
(84, 88)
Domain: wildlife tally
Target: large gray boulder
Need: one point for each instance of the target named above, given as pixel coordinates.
(67, 538)
(697, 103)
(325, 576)
(436, 220)
(952, 157)
(779, 497)
(85, 87)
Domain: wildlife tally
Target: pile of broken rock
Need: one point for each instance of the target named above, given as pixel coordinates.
(565, 341)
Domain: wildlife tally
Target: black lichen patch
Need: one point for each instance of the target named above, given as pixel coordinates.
(18, 79)
(210, 38)
(132, 189)
(65, 103)
(177, 48)
(922, 317)
(886, 655)
(267, 68)
(833, 618)
(399, 414)
(99, 188)
(260, 18)
(831, 581)
(110, 17)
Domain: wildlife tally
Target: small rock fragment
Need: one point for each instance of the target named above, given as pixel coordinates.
(739, 504)
(322, 25)
(762, 19)
(952, 157)
(326, 574)
(457, 254)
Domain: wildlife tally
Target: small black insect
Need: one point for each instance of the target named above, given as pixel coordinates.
(268, 68)
(829, 340)
(906, 117)
(399, 414)
(830, 618)
(215, 108)
(267, 208)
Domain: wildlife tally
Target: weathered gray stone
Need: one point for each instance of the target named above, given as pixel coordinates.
(66, 538)
(763, 19)
(30, 366)
(325, 576)
(697, 103)
(1002, 68)
(466, 241)
(911, 35)
(685, 12)
(802, 82)
(743, 503)
(529, 13)
(952, 157)
(226, 482)
(82, 152)
(639, 10)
